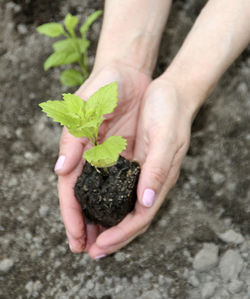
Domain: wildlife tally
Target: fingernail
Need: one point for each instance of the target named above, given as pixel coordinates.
(100, 256)
(59, 163)
(148, 198)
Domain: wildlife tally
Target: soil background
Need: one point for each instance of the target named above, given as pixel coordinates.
(211, 197)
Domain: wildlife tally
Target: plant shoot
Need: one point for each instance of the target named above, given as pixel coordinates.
(84, 118)
(72, 49)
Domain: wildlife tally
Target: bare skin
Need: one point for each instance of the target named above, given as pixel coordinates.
(155, 116)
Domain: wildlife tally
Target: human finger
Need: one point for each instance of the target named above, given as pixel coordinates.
(71, 210)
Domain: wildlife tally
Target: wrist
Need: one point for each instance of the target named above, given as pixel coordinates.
(192, 90)
(131, 33)
(216, 39)
(193, 85)
(137, 50)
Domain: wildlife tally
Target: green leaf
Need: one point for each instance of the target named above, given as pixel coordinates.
(71, 57)
(107, 153)
(51, 29)
(83, 119)
(70, 23)
(61, 58)
(90, 20)
(74, 104)
(71, 77)
(55, 59)
(103, 101)
(64, 45)
(71, 113)
(71, 44)
(84, 130)
(60, 113)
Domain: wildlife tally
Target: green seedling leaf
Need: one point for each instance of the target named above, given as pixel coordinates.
(60, 113)
(71, 57)
(70, 23)
(71, 78)
(107, 153)
(61, 58)
(74, 104)
(71, 44)
(71, 113)
(51, 29)
(103, 101)
(64, 45)
(55, 59)
(71, 49)
(86, 129)
(83, 119)
(90, 20)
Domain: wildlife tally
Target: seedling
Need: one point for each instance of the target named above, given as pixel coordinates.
(72, 49)
(83, 119)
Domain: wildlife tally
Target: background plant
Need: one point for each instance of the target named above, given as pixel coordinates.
(83, 119)
(71, 49)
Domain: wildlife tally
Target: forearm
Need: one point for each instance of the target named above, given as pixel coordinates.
(219, 35)
(131, 33)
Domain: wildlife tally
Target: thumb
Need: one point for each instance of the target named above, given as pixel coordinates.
(155, 171)
(70, 153)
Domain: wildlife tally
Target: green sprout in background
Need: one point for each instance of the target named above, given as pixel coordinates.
(72, 49)
(83, 119)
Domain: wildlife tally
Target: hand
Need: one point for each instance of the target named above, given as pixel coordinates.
(162, 140)
(123, 121)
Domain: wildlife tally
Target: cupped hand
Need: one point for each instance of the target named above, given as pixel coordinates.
(123, 121)
(162, 140)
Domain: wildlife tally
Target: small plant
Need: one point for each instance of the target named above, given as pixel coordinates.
(83, 119)
(72, 49)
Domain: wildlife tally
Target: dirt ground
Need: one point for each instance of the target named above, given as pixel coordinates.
(184, 254)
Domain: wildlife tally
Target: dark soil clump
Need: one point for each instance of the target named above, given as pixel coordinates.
(108, 195)
(37, 12)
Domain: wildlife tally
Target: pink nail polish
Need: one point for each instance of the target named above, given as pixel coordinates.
(100, 256)
(59, 163)
(148, 198)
